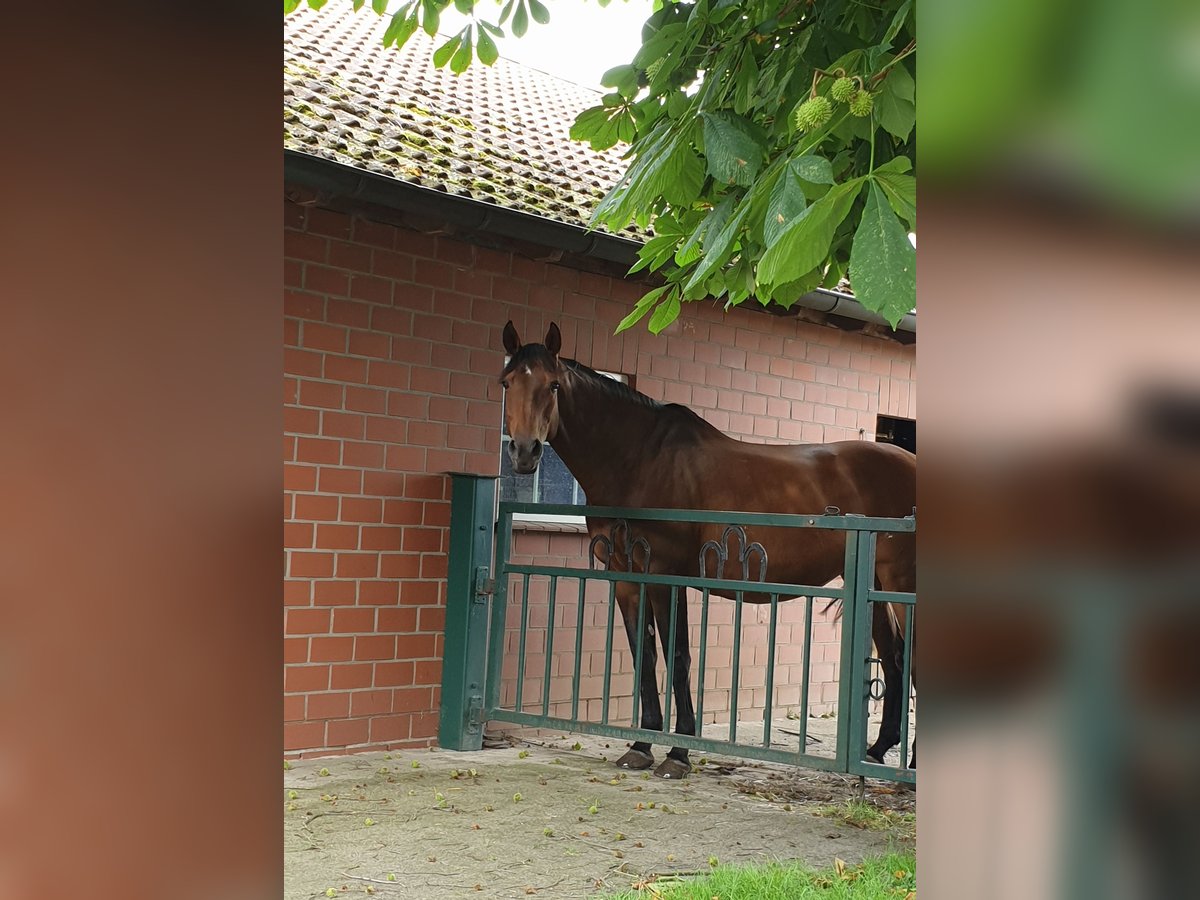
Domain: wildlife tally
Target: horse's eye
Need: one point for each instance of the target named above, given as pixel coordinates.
(504, 383)
(554, 385)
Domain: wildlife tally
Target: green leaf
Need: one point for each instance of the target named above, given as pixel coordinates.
(814, 169)
(643, 306)
(506, 11)
(732, 153)
(520, 20)
(432, 17)
(688, 171)
(804, 244)
(486, 49)
(494, 29)
(402, 26)
(540, 14)
(897, 164)
(786, 203)
(601, 127)
(787, 294)
(290, 6)
(901, 192)
(718, 244)
(883, 264)
(897, 23)
(623, 78)
(462, 58)
(316, 4)
(666, 313)
(893, 109)
(358, 4)
(442, 54)
(464, 6)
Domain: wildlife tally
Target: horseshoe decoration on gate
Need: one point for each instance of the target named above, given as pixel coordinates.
(625, 545)
(745, 551)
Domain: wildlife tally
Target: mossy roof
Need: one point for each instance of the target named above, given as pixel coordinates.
(495, 134)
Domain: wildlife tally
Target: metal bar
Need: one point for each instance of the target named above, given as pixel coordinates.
(549, 646)
(904, 683)
(857, 673)
(521, 652)
(612, 603)
(703, 650)
(907, 598)
(850, 598)
(707, 745)
(499, 612)
(737, 670)
(770, 670)
(578, 651)
(716, 584)
(835, 523)
(460, 725)
(808, 605)
(669, 663)
(639, 650)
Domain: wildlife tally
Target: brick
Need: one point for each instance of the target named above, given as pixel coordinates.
(390, 375)
(309, 565)
(328, 222)
(377, 234)
(427, 434)
(300, 305)
(321, 394)
(302, 362)
(394, 674)
(414, 699)
(383, 484)
(318, 450)
(295, 650)
(381, 538)
(316, 508)
(328, 706)
(353, 620)
(334, 592)
(325, 280)
(358, 565)
(400, 565)
(404, 405)
(305, 678)
(391, 430)
(361, 509)
(386, 729)
(375, 647)
(419, 593)
(362, 455)
(300, 421)
(350, 676)
(347, 732)
(297, 535)
(371, 289)
(402, 620)
(348, 313)
(367, 703)
(303, 735)
(389, 264)
(366, 399)
(316, 336)
(342, 425)
(405, 459)
(379, 593)
(393, 321)
(430, 381)
(402, 512)
(376, 346)
(337, 537)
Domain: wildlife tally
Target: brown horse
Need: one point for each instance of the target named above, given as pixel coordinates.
(627, 450)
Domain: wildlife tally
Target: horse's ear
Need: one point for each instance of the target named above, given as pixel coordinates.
(553, 339)
(512, 341)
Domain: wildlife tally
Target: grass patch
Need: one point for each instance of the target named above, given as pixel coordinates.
(867, 816)
(890, 877)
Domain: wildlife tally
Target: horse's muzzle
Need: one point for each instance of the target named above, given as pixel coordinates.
(525, 455)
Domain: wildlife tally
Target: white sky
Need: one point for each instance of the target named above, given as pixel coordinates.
(581, 42)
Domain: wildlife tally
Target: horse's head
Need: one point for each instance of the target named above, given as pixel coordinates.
(530, 382)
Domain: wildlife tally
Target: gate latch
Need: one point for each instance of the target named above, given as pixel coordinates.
(475, 713)
(485, 585)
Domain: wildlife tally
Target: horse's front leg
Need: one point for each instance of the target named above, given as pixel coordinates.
(890, 646)
(639, 756)
(676, 765)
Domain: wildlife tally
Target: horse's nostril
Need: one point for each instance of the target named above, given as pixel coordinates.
(536, 448)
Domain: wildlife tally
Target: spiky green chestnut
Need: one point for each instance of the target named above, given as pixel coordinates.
(813, 113)
(842, 90)
(323, 773)
(653, 69)
(517, 797)
(861, 103)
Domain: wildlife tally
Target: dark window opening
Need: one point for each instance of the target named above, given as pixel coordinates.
(901, 432)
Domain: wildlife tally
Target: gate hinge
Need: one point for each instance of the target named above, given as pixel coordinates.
(474, 712)
(485, 585)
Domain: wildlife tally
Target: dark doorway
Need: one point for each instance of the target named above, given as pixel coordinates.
(901, 432)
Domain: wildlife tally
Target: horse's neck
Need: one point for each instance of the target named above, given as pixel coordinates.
(601, 437)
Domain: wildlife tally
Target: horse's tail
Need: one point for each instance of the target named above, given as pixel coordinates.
(836, 601)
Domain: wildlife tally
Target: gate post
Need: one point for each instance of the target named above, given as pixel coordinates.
(468, 586)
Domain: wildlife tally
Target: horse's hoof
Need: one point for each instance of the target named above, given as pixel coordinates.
(871, 756)
(673, 768)
(635, 759)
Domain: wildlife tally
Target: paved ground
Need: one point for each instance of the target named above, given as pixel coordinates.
(449, 825)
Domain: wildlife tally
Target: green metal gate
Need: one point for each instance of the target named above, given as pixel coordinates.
(485, 583)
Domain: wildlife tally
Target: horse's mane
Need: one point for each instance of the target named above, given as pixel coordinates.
(610, 385)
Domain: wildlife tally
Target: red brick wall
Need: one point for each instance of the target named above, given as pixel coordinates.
(392, 347)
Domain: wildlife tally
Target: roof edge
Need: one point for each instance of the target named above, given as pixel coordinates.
(334, 180)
